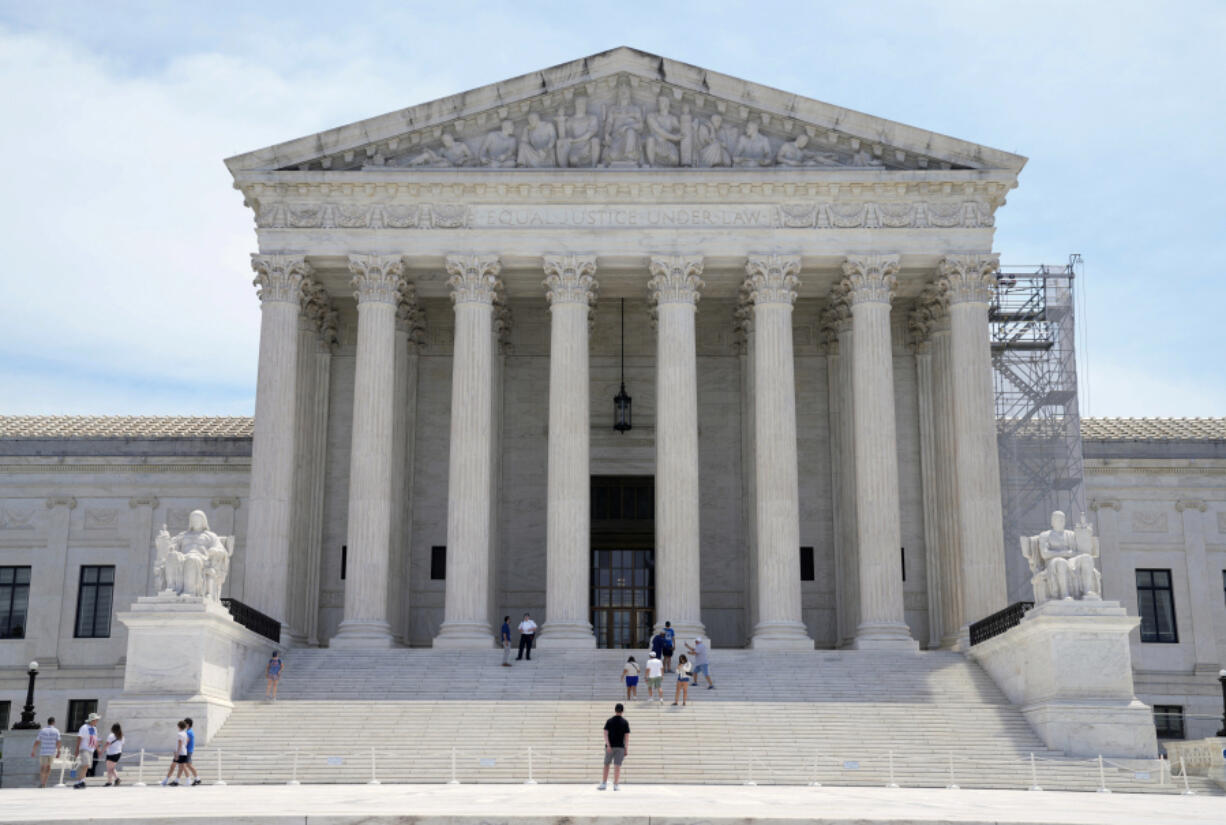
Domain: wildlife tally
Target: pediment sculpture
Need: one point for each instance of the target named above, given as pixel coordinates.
(192, 563)
(623, 133)
(1062, 562)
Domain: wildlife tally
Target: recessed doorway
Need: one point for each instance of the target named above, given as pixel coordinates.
(623, 581)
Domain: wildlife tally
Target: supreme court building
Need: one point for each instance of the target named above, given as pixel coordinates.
(797, 297)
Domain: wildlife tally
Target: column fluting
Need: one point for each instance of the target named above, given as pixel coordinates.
(474, 282)
(377, 283)
(279, 285)
(870, 281)
(949, 547)
(843, 456)
(570, 289)
(674, 287)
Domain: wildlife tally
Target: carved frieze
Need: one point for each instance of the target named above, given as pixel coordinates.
(1149, 521)
(17, 518)
(101, 518)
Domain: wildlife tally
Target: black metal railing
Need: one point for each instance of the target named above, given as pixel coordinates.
(254, 620)
(999, 622)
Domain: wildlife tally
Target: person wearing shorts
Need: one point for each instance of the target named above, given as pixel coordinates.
(179, 762)
(273, 674)
(616, 745)
(87, 743)
(47, 746)
(683, 681)
(670, 643)
(114, 750)
(631, 674)
(655, 677)
(702, 666)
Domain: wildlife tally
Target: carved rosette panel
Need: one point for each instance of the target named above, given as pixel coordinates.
(377, 278)
(570, 279)
(772, 279)
(473, 278)
(675, 279)
(870, 278)
(279, 277)
(410, 318)
(968, 278)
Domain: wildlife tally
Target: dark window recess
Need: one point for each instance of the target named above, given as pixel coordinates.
(5, 707)
(1224, 585)
(94, 597)
(344, 559)
(438, 562)
(1168, 720)
(902, 556)
(1156, 604)
(14, 601)
(807, 571)
(78, 709)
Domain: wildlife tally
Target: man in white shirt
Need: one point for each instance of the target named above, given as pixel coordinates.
(47, 746)
(527, 632)
(87, 743)
(655, 676)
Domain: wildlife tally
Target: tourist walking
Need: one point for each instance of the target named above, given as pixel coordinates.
(47, 746)
(180, 758)
(191, 749)
(655, 676)
(273, 674)
(631, 674)
(504, 636)
(527, 632)
(683, 680)
(114, 750)
(616, 745)
(87, 743)
(702, 665)
(670, 639)
(657, 644)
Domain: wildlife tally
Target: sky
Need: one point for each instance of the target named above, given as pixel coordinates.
(125, 284)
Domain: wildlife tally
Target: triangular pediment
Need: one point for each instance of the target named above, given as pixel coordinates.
(624, 109)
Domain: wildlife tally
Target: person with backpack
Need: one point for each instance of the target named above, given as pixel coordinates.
(114, 750)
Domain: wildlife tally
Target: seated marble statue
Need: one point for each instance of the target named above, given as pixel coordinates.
(623, 131)
(1062, 562)
(452, 153)
(194, 562)
(753, 149)
(711, 137)
(578, 138)
(538, 145)
(662, 147)
(499, 147)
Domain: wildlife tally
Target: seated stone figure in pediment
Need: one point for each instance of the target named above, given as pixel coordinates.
(578, 137)
(452, 153)
(499, 147)
(623, 132)
(538, 145)
(194, 562)
(753, 149)
(1062, 562)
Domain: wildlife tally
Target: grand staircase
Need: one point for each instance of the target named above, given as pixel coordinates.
(837, 717)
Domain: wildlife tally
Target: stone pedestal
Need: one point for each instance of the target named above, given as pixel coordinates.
(186, 657)
(1068, 667)
(20, 770)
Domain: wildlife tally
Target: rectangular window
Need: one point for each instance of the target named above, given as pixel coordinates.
(807, 571)
(1156, 604)
(902, 558)
(438, 562)
(94, 597)
(1168, 720)
(344, 559)
(1224, 585)
(5, 708)
(78, 709)
(14, 599)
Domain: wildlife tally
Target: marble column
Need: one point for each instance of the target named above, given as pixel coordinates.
(317, 465)
(843, 463)
(742, 319)
(266, 581)
(473, 282)
(771, 282)
(674, 287)
(570, 290)
(954, 629)
(870, 281)
(301, 512)
(919, 325)
(1204, 587)
(377, 284)
(224, 522)
(968, 281)
(410, 331)
(1119, 583)
(47, 589)
(142, 535)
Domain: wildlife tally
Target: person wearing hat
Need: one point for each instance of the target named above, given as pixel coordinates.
(700, 652)
(655, 676)
(87, 743)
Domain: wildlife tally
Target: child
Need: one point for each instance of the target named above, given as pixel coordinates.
(631, 672)
(683, 681)
(180, 759)
(273, 674)
(114, 750)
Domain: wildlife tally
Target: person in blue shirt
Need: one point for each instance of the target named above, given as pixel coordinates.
(191, 746)
(658, 642)
(670, 637)
(504, 636)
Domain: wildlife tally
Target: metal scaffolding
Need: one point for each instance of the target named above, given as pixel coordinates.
(1034, 361)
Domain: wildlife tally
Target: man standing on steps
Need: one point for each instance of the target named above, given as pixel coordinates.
(504, 637)
(701, 662)
(616, 745)
(655, 676)
(527, 632)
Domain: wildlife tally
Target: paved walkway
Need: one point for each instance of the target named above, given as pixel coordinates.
(584, 805)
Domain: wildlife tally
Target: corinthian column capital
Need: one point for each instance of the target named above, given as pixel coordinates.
(675, 279)
(925, 318)
(474, 278)
(377, 278)
(968, 278)
(409, 316)
(569, 279)
(870, 278)
(279, 277)
(771, 279)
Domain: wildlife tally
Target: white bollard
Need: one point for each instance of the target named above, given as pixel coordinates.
(892, 783)
(63, 768)
(1161, 771)
(1183, 769)
(374, 778)
(1102, 777)
(219, 780)
(453, 780)
(293, 779)
(1034, 775)
(140, 770)
(815, 783)
(531, 780)
(953, 785)
(750, 781)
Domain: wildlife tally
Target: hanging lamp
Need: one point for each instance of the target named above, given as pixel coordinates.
(621, 401)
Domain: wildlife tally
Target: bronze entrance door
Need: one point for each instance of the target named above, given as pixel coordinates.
(623, 584)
